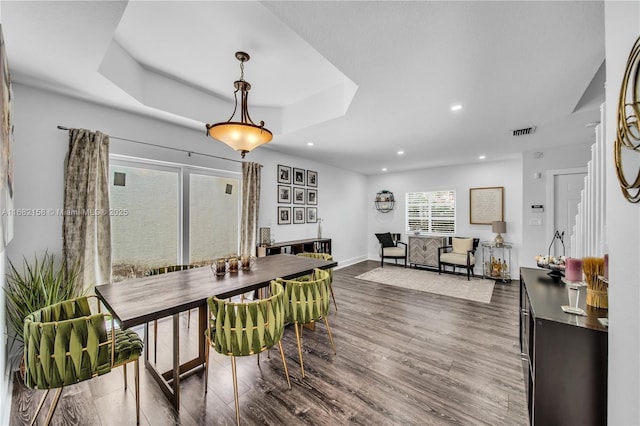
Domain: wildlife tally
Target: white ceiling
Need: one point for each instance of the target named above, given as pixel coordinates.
(361, 80)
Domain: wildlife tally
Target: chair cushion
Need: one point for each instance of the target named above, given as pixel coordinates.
(462, 245)
(385, 239)
(393, 252)
(128, 346)
(457, 259)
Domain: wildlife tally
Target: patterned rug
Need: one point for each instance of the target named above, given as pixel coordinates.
(477, 289)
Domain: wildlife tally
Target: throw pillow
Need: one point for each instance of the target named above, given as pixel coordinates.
(385, 239)
(462, 245)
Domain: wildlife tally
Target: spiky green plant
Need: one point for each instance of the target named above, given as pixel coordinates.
(41, 283)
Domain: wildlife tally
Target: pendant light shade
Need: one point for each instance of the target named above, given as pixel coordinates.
(243, 135)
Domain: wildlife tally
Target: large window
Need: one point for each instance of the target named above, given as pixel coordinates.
(431, 212)
(168, 214)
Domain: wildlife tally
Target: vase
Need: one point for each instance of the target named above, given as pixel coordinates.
(597, 298)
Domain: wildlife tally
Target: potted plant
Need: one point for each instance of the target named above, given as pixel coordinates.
(43, 282)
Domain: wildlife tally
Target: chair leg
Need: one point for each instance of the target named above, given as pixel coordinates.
(35, 416)
(124, 370)
(206, 364)
(155, 341)
(326, 321)
(54, 405)
(284, 362)
(439, 268)
(333, 297)
(235, 388)
(295, 325)
(136, 371)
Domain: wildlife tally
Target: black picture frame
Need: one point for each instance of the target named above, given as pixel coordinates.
(298, 214)
(312, 178)
(284, 194)
(284, 215)
(312, 197)
(298, 176)
(284, 174)
(299, 195)
(312, 214)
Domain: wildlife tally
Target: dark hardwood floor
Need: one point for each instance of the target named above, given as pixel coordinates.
(404, 358)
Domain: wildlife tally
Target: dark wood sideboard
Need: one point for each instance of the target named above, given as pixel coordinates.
(564, 356)
(313, 245)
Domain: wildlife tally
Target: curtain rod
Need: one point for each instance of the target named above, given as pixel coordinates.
(166, 147)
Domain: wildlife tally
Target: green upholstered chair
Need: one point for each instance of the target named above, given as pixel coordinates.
(324, 256)
(67, 343)
(307, 301)
(158, 271)
(246, 328)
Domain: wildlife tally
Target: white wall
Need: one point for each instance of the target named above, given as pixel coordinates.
(459, 178)
(622, 26)
(40, 149)
(534, 191)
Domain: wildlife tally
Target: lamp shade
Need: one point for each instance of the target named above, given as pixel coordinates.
(499, 227)
(243, 137)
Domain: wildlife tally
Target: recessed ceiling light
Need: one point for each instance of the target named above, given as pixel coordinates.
(482, 157)
(384, 169)
(456, 107)
(309, 143)
(400, 152)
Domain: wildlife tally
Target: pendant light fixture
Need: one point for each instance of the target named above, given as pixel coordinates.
(244, 135)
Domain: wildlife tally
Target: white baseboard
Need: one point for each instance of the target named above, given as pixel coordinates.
(349, 262)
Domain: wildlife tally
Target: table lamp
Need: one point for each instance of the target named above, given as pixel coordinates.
(499, 227)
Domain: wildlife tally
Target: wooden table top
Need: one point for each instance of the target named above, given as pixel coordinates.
(140, 300)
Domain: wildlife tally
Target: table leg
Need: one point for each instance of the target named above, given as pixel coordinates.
(176, 360)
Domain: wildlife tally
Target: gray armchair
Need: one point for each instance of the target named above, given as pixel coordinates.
(391, 248)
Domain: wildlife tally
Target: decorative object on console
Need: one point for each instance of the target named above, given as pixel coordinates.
(244, 135)
(573, 269)
(555, 263)
(265, 236)
(499, 227)
(627, 134)
(597, 289)
(384, 201)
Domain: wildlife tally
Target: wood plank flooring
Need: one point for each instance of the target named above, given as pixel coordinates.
(404, 358)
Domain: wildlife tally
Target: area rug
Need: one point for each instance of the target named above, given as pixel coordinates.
(477, 289)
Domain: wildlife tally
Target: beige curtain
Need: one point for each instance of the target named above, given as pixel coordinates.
(250, 207)
(86, 227)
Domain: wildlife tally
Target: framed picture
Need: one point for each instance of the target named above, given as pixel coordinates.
(312, 178)
(312, 196)
(298, 195)
(298, 176)
(298, 215)
(284, 194)
(312, 214)
(486, 205)
(284, 174)
(284, 215)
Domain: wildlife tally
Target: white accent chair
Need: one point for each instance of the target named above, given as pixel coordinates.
(391, 249)
(458, 254)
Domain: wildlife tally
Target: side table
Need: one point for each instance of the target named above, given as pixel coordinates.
(496, 261)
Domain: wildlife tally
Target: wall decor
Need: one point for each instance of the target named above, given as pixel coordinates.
(627, 142)
(312, 178)
(312, 214)
(384, 201)
(284, 215)
(312, 196)
(486, 205)
(298, 214)
(298, 195)
(284, 174)
(6, 142)
(284, 194)
(298, 176)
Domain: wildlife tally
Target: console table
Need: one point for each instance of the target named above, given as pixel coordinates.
(564, 356)
(313, 245)
(423, 250)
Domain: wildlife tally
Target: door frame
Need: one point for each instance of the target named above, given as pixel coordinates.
(551, 195)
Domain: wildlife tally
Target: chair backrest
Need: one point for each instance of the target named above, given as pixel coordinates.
(65, 344)
(241, 329)
(475, 243)
(322, 256)
(167, 269)
(307, 301)
(386, 240)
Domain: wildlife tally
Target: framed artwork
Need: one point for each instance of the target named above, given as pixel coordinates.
(312, 178)
(284, 174)
(486, 205)
(298, 176)
(284, 215)
(312, 214)
(284, 194)
(6, 142)
(298, 215)
(298, 195)
(312, 196)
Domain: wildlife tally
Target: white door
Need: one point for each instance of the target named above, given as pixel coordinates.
(567, 188)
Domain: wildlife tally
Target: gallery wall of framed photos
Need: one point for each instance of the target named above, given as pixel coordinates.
(297, 195)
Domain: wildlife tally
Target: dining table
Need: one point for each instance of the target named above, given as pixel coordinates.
(138, 301)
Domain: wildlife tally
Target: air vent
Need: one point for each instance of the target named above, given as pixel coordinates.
(525, 131)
